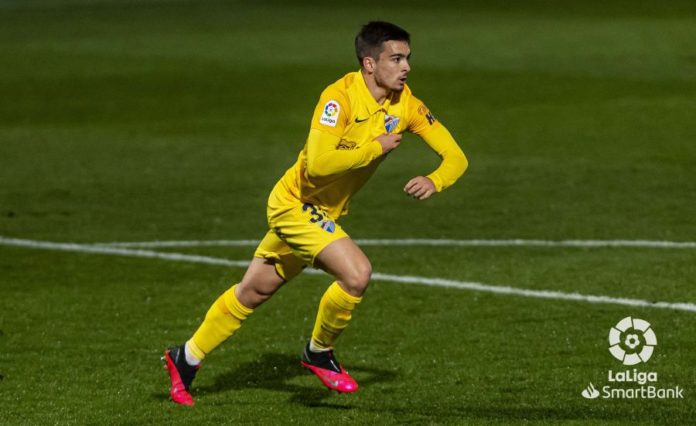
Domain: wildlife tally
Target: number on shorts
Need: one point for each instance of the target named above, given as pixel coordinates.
(316, 216)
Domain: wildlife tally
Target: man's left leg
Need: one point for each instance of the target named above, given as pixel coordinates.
(348, 264)
(315, 238)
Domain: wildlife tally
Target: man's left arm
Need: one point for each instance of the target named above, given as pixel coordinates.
(453, 164)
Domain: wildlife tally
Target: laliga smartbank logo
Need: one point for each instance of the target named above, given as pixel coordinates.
(632, 341)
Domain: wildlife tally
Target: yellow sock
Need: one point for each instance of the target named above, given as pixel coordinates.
(333, 317)
(221, 321)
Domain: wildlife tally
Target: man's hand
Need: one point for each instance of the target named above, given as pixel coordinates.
(420, 187)
(388, 141)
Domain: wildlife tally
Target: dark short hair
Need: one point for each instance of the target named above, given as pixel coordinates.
(372, 35)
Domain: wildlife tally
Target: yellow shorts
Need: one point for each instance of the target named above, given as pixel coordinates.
(298, 233)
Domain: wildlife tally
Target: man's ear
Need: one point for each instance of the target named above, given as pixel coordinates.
(369, 64)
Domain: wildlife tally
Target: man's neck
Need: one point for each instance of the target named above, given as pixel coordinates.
(379, 93)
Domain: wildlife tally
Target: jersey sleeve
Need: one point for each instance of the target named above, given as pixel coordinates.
(332, 113)
(422, 122)
(324, 158)
(329, 122)
(454, 162)
(420, 119)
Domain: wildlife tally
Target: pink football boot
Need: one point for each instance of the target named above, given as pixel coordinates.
(181, 375)
(325, 366)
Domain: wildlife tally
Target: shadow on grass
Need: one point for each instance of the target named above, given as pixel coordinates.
(274, 371)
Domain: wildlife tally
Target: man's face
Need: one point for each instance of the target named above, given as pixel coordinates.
(391, 68)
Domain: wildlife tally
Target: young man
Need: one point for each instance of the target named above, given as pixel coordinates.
(358, 120)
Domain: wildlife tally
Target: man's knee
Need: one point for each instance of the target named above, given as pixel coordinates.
(257, 287)
(250, 296)
(355, 280)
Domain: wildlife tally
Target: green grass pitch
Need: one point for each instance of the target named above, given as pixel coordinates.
(172, 120)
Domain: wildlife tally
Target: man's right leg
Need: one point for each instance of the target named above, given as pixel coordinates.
(224, 317)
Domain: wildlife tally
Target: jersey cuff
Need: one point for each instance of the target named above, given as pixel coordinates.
(374, 148)
(436, 180)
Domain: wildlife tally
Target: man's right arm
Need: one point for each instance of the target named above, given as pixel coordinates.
(329, 121)
(324, 158)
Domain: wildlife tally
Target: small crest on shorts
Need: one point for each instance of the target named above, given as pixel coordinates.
(328, 226)
(390, 122)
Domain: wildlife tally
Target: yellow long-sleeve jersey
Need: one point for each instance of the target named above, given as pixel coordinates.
(341, 152)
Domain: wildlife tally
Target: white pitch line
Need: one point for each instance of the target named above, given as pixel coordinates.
(430, 242)
(531, 243)
(173, 244)
(437, 282)
(541, 294)
(85, 248)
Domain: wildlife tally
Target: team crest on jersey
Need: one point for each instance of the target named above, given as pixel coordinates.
(328, 226)
(329, 116)
(390, 122)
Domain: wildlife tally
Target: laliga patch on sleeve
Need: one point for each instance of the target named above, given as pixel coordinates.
(329, 116)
